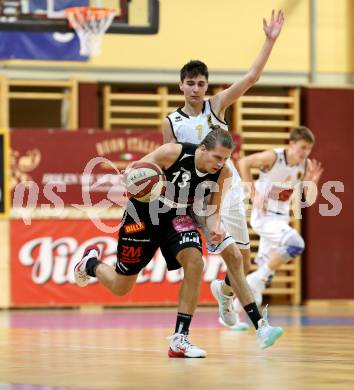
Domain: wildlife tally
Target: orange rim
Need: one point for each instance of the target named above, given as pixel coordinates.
(88, 12)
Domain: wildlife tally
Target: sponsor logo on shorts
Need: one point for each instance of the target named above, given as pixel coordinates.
(183, 223)
(134, 228)
(131, 254)
(189, 237)
(135, 239)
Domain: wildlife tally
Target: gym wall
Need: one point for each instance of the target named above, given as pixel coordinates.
(328, 259)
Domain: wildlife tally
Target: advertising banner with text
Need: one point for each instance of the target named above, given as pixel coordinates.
(44, 254)
(62, 166)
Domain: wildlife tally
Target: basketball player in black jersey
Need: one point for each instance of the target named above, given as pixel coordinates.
(201, 169)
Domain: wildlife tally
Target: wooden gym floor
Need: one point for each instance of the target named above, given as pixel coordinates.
(127, 349)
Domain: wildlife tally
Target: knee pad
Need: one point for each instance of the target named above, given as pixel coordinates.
(292, 246)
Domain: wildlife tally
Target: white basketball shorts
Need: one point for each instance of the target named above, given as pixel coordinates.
(233, 217)
(272, 229)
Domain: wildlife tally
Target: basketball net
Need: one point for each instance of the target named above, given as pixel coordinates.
(90, 24)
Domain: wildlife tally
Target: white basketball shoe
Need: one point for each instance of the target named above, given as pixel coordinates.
(226, 303)
(266, 334)
(81, 277)
(239, 325)
(257, 285)
(180, 347)
(227, 314)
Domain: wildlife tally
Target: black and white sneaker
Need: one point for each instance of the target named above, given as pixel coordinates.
(81, 277)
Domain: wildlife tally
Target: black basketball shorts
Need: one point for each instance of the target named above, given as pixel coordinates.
(139, 240)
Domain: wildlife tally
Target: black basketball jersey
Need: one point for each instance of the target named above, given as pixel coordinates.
(185, 184)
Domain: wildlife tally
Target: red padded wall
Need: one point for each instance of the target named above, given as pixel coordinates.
(329, 258)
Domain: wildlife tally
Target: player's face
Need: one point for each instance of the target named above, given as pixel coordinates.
(300, 150)
(215, 159)
(194, 89)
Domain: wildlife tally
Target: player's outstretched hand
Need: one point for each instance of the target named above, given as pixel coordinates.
(314, 171)
(272, 30)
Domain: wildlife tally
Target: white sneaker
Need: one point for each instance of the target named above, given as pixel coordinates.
(239, 326)
(257, 286)
(226, 304)
(81, 277)
(238, 307)
(267, 335)
(180, 347)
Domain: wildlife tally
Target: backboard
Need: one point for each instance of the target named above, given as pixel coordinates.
(48, 15)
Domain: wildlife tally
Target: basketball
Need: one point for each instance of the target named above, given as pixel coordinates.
(145, 181)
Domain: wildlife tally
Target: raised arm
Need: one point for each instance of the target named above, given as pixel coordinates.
(228, 96)
(263, 160)
(168, 135)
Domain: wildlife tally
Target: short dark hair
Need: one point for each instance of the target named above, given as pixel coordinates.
(302, 133)
(218, 136)
(193, 69)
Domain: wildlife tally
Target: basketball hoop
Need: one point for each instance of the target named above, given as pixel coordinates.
(90, 24)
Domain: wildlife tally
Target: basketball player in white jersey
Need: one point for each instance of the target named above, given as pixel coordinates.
(281, 170)
(191, 123)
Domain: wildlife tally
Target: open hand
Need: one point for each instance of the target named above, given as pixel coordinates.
(272, 30)
(314, 171)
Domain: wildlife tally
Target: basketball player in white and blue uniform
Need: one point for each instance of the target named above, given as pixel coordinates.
(191, 123)
(281, 171)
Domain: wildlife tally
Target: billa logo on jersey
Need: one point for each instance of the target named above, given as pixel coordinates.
(134, 227)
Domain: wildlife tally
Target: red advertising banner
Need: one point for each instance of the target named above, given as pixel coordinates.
(62, 164)
(43, 256)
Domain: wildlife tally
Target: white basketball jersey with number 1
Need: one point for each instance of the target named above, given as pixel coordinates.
(193, 129)
(279, 182)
